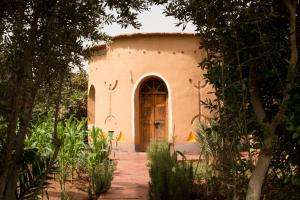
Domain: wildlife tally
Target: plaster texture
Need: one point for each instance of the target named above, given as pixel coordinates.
(117, 71)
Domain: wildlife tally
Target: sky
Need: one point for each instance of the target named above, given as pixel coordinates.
(152, 20)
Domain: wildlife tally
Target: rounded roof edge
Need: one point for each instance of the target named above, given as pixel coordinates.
(131, 35)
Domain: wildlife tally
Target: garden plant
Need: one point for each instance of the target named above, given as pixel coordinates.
(99, 166)
(170, 178)
(76, 159)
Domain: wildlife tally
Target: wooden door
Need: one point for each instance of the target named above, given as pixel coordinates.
(153, 114)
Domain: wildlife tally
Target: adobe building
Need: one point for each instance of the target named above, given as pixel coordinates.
(144, 87)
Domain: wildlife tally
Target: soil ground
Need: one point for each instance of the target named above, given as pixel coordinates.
(130, 181)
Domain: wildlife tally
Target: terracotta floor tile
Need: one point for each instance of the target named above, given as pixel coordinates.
(130, 179)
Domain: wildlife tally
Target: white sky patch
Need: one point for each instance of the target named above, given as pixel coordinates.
(152, 20)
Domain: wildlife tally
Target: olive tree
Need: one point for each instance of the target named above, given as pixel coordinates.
(252, 61)
(42, 40)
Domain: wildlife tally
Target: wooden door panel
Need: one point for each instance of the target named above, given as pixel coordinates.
(160, 116)
(147, 117)
(147, 114)
(153, 116)
(147, 100)
(147, 135)
(147, 107)
(160, 130)
(160, 107)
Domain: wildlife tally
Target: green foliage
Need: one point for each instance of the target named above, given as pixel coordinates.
(73, 98)
(212, 162)
(74, 95)
(208, 165)
(101, 176)
(170, 178)
(40, 43)
(210, 141)
(101, 146)
(240, 36)
(35, 161)
(72, 133)
(74, 154)
(285, 167)
(34, 168)
(100, 168)
(41, 137)
(39, 149)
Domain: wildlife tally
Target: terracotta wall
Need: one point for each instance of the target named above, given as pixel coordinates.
(128, 60)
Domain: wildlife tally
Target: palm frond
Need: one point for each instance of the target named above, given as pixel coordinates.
(31, 178)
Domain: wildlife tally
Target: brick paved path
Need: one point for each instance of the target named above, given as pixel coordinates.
(130, 178)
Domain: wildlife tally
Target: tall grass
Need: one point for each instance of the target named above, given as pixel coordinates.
(170, 178)
(72, 134)
(210, 141)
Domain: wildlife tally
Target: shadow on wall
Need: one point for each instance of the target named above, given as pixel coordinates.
(91, 105)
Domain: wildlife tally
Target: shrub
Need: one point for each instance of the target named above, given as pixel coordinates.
(170, 178)
(100, 168)
(221, 171)
(101, 176)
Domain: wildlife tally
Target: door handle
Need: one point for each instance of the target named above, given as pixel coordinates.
(156, 124)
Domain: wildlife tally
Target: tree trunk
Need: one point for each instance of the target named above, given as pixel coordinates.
(22, 99)
(10, 176)
(11, 184)
(258, 176)
(7, 159)
(264, 159)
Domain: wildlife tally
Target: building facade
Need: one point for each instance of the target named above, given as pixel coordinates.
(144, 87)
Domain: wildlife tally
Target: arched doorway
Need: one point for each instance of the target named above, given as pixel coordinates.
(153, 114)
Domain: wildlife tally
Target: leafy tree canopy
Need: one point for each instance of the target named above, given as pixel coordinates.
(73, 97)
(40, 42)
(252, 61)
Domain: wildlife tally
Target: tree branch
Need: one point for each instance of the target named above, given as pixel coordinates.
(55, 140)
(291, 8)
(254, 95)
